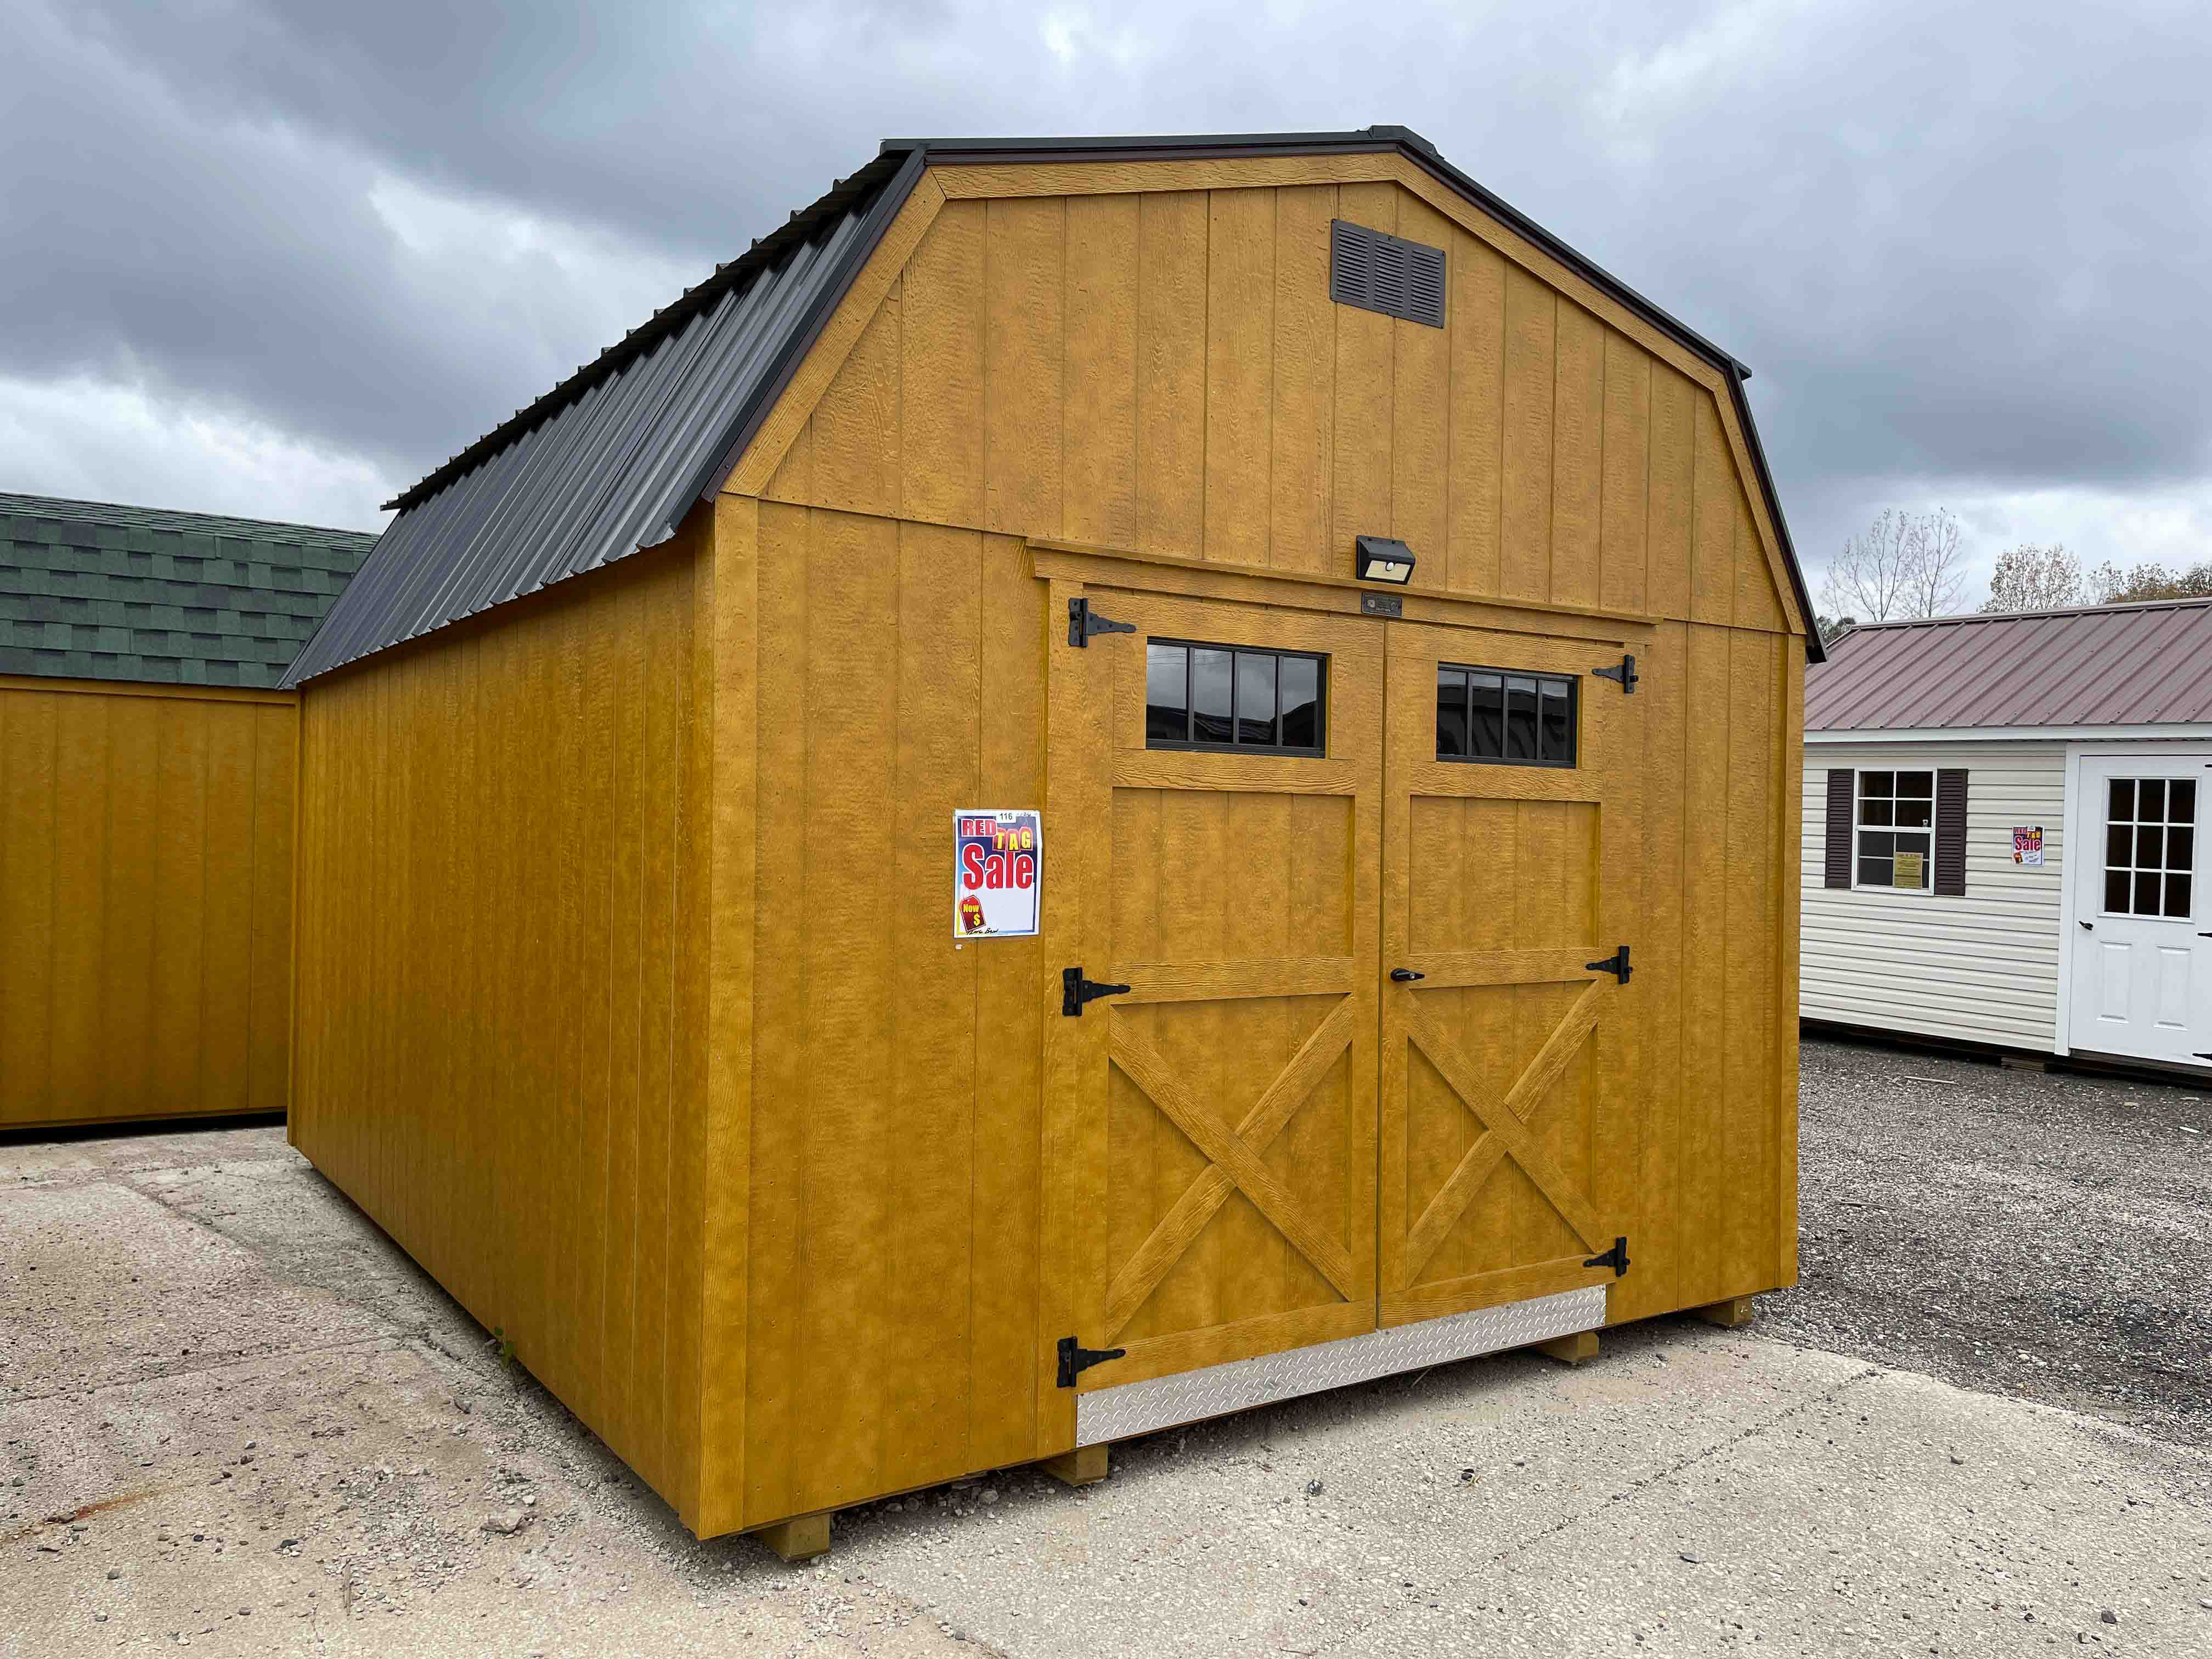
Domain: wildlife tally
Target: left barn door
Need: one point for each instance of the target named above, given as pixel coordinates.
(1213, 838)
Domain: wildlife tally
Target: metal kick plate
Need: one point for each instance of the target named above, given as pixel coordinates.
(1162, 1402)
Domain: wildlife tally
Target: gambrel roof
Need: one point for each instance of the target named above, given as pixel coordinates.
(611, 461)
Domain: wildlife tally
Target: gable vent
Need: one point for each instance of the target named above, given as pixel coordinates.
(1380, 272)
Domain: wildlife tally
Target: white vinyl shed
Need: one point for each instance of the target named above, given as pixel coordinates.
(2001, 820)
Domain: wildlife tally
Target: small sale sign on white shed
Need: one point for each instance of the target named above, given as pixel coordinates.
(998, 872)
(2028, 843)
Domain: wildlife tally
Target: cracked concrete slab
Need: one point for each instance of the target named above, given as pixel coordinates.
(341, 1466)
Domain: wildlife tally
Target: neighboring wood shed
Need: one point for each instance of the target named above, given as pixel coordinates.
(146, 797)
(1417, 966)
(2001, 833)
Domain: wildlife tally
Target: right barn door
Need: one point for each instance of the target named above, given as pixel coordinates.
(1510, 1086)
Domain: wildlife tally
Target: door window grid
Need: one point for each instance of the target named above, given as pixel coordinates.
(1497, 716)
(2150, 846)
(1896, 830)
(1234, 698)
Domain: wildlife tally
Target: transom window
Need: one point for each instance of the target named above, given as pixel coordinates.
(1896, 827)
(1496, 715)
(2150, 846)
(1233, 696)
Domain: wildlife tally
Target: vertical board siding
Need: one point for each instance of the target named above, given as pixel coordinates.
(145, 903)
(1165, 372)
(1983, 967)
(501, 965)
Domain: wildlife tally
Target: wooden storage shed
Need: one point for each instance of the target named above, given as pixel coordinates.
(146, 774)
(1417, 970)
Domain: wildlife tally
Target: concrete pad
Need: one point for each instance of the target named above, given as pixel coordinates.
(333, 1469)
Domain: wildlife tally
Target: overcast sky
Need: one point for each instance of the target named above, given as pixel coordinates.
(281, 258)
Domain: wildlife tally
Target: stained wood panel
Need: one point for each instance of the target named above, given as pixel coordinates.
(145, 900)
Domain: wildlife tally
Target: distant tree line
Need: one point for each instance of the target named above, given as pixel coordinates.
(2032, 578)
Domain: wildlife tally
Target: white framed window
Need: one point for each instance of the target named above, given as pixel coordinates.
(1895, 839)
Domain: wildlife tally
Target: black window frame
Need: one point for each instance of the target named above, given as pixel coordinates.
(1542, 676)
(1189, 744)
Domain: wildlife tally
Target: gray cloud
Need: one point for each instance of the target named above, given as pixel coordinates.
(1964, 247)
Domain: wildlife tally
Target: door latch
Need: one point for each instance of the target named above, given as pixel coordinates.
(1075, 991)
(1075, 1360)
(1082, 622)
(1616, 964)
(1405, 975)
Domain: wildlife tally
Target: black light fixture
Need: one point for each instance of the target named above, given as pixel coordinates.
(1381, 560)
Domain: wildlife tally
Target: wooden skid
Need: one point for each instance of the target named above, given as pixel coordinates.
(1571, 1350)
(1083, 1467)
(799, 1539)
(1734, 1311)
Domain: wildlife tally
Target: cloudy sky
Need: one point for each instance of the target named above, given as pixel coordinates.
(279, 258)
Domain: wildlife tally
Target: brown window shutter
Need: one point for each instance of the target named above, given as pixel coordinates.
(1951, 832)
(1841, 807)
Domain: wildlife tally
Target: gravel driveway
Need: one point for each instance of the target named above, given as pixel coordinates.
(2048, 1236)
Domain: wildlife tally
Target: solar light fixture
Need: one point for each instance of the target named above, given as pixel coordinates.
(1381, 560)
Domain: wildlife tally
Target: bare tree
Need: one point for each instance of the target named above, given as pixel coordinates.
(2032, 578)
(1906, 564)
(2151, 581)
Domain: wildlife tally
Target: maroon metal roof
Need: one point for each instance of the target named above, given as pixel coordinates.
(2115, 664)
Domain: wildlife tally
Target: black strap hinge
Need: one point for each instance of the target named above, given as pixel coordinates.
(1074, 1360)
(1626, 674)
(1082, 622)
(1616, 964)
(1616, 1258)
(1075, 991)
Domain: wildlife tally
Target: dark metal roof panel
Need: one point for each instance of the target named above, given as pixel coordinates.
(2117, 666)
(611, 467)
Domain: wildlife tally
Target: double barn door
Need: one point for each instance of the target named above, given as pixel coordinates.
(1351, 1061)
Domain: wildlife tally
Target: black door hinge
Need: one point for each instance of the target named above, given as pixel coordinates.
(1616, 1258)
(1626, 674)
(1616, 964)
(1075, 991)
(1082, 622)
(1074, 1361)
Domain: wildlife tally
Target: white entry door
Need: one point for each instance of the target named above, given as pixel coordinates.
(2143, 950)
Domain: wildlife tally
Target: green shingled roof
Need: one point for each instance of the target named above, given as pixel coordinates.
(94, 591)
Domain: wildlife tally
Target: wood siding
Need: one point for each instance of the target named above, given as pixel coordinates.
(1979, 969)
(1165, 373)
(503, 986)
(145, 901)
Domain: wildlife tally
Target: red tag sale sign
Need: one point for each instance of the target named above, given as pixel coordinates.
(998, 873)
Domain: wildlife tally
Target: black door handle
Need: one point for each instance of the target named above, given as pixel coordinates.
(1405, 975)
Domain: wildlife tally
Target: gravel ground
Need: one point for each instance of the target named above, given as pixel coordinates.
(2046, 1235)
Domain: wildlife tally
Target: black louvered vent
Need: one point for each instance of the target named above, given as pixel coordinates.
(1384, 273)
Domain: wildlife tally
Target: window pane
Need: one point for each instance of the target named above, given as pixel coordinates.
(1255, 697)
(2181, 801)
(1875, 811)
(1916, 814)
(2116, 891)
(1485, 735)
(1520, 718)
(2146, 902)
(1877, 783)
(1167, 693)
(2150, 800)
(1920, 786)
(2122, 800)
(1556, 732)
(1876, 846)
(2150, 848)
(2176, 897)
(2120, 845)
(1301, 701)
(1874, 873)
(1210, 672)
(1451, 712)
(2181, 848)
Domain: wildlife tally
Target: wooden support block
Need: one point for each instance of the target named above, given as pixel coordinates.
(1083, 1467)
(2022, 1063)
(1735, 1311)
(798, 1540)
(1571, 1350)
